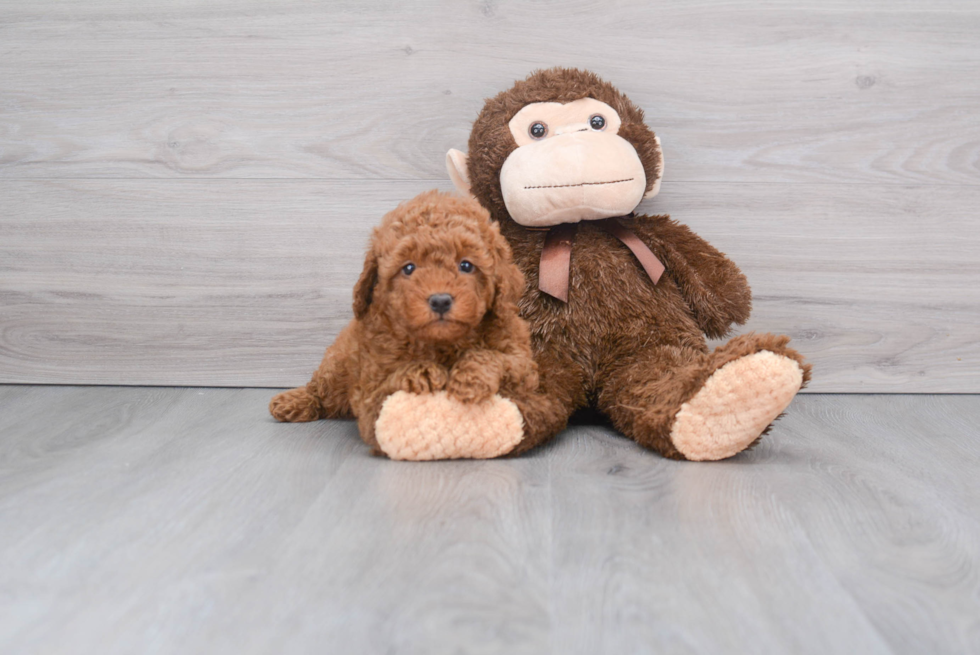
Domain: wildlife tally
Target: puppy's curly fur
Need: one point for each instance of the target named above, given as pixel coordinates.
(399, 341)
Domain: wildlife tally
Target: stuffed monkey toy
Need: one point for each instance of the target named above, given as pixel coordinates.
(619, 304)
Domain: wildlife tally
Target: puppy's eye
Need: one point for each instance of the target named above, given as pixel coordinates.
(597, 122)
(408, 269)
(538, 130)
(466, 266)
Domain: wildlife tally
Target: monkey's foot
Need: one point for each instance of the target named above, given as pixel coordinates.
(735, 406)
(434, 426)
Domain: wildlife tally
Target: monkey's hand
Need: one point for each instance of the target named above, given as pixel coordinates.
(476, 376)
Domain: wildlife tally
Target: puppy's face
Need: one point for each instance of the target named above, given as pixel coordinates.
(437, 266)
(440, 284)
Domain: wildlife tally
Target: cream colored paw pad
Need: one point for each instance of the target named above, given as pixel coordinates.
(434, 426)
(735, 405)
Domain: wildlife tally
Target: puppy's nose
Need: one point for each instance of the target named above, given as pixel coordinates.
(440, 302)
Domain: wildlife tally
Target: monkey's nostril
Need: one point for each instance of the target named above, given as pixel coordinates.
(440, 303)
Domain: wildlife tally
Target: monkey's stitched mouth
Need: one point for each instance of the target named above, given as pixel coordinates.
(563, 186)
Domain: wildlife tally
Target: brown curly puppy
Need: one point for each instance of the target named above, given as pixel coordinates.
(434, 309)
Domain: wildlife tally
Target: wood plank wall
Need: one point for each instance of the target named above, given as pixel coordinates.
(186, 187)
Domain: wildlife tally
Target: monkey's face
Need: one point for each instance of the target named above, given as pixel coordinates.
(561, 146)
(570, 165)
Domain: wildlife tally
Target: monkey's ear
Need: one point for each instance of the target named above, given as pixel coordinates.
(364, 289)
(655, 189)
(458, 170)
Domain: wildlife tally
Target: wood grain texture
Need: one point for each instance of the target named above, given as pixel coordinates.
(805, 91)
(187, 521)
(244, 283)
(185, 188)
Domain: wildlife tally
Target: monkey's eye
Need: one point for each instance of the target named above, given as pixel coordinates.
(466, 266)
(408, 269)
(537, 130)
(597, 122)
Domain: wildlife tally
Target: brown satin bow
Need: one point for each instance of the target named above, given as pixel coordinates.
(556, 255)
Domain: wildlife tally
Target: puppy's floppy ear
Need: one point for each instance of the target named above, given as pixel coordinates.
(364, 289)
(509, 281)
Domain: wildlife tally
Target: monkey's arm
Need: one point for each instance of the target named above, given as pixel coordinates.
(713, 286)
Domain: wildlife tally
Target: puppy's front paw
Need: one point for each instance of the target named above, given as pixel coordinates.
(424, 377)
(471, 383)
(295, 406)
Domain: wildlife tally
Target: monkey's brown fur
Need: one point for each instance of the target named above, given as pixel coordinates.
(634, 351)
(396, 341)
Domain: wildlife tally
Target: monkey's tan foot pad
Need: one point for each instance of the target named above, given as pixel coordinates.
(434, 426)
(735, 405)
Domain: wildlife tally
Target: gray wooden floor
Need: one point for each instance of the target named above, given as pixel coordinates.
(176, 520)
